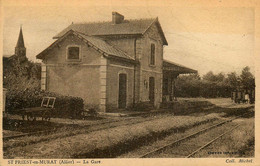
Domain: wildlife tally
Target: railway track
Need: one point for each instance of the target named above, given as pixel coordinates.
(210, 142)
(51, 131)
(27, 134)
(97, 125)
(185, 141)
(53, 137)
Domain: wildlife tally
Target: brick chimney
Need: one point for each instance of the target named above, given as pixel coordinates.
(117, 18)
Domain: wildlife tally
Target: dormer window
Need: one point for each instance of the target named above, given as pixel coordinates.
(73, 53)
(152, 56)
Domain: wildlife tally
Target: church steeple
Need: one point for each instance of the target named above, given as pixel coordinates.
(20, 50)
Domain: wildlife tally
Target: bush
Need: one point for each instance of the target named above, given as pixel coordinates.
(143, 106)
(65, 106)
(92, 107)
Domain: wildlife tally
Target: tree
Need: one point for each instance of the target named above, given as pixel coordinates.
(188, 85)
(20, 73)
(214, 85)
(233, 80)
(247, 79)
(209, 76)
(220, 77)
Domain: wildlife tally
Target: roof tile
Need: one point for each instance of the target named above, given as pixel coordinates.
(98, 44)
(107, 28)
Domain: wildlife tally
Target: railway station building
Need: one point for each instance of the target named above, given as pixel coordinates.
(112, 65)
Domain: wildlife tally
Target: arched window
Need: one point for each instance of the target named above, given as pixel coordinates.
(152, 56)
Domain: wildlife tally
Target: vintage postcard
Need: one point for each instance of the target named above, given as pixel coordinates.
(147, 82)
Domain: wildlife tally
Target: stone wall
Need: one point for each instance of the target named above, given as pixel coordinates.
(79, 78)
(115, 68)
(146, 70)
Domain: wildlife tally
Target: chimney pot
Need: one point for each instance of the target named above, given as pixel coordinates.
(117, 18)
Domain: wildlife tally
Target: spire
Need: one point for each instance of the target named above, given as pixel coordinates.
(20, 50)
(20, 42)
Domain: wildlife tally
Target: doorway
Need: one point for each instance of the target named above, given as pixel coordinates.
(151, 90)
(122, 91)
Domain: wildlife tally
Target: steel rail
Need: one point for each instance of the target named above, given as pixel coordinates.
(183, 139)
(189, 136)
(210, 142)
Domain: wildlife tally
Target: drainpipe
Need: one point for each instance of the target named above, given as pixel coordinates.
(134, 72)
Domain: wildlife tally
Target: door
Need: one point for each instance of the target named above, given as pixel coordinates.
(151, 90)
(122, 91)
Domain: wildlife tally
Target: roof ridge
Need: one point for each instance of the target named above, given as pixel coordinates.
(136, 26)
(136, 19)
(91, 22)
(95, 22)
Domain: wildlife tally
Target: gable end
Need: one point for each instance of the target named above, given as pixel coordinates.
(157, 24)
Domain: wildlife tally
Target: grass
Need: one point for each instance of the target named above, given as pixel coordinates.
(83, 145)
(248, 150)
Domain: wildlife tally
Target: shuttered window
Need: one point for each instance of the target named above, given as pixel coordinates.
(152, 57)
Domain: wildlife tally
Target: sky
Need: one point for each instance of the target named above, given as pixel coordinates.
(218, 39)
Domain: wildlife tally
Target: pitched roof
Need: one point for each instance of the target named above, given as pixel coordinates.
(177, 68)
(104, 46)
(20, 42)
(127, 27)
(95, 42)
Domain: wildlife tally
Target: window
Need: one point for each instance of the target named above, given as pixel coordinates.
(73, 53)
(152, 58)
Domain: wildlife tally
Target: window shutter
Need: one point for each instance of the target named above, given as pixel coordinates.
(152, 59)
